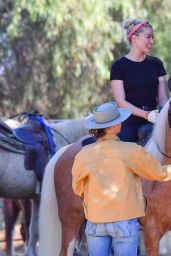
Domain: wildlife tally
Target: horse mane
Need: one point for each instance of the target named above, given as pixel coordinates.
(157, 140)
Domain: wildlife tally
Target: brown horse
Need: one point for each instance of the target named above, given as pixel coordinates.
(157, 220)
(60, 236)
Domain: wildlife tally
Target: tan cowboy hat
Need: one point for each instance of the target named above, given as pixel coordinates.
(106, 115)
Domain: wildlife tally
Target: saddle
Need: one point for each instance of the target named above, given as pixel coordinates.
(4, 128)
(29, 133)
(30, 139)
(8, 141)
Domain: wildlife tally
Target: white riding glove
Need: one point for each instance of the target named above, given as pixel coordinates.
(153, 115)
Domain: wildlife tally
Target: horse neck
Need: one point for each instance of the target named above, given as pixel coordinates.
(159, 136)
(166, 159)
(68, 131)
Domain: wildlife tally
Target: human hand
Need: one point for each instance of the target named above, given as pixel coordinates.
(152, 116)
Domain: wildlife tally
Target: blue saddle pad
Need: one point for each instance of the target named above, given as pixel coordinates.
(27, 135)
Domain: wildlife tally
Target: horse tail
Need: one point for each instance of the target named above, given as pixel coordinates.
(50, 234)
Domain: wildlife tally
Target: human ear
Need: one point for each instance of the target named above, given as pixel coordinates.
(133, 39)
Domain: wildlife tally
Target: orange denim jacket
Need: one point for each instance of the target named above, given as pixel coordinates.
(107, 174)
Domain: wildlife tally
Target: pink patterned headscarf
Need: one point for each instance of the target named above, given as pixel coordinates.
(134, 29)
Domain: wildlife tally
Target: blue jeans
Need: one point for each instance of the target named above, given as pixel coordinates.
(132, 132)
(121, 236)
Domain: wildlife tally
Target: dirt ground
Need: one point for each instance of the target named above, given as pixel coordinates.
(18, 243)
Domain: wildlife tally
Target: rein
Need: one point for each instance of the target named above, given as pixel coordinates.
(163, 152)
(60, 135)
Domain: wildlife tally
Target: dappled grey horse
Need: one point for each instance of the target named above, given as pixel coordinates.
(18, 183)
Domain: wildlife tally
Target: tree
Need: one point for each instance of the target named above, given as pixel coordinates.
(66, 59)
(61, 51)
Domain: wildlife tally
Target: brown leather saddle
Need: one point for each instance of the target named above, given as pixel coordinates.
(31, 140)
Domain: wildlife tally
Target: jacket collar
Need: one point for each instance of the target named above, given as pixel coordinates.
(109, 137)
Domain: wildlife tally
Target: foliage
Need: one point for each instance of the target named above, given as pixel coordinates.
(56, 54)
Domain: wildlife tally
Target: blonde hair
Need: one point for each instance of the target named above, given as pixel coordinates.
(130, 24)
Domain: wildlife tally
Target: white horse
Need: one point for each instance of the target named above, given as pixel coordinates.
(18, 183)
(50, 233)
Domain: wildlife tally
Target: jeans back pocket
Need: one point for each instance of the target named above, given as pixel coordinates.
(91, 228)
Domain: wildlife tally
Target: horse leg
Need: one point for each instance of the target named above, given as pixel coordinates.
(151, 238)
(33, 230)
(11, 212)
(70, 237)
(26, 211)
(81, 248)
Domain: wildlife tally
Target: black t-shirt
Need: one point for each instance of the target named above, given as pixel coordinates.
(140, 79)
